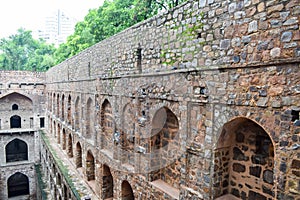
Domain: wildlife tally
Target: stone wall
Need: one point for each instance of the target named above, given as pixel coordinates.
(21, 95)
(196, 103)
(202, 34)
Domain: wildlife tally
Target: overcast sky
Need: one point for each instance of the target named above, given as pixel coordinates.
(29, 14)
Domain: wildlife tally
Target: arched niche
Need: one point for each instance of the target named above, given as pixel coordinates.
(127, 192)
(244, 161)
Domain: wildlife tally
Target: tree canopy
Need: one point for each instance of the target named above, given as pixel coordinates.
(109, 19)
(21, 52)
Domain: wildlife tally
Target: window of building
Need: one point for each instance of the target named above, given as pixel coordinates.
(42, 122)
(15, 107)
(15, 121)
(31, 122)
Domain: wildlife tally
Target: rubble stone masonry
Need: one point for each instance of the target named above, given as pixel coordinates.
(200, 102)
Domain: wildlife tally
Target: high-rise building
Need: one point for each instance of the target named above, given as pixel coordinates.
(57, 27)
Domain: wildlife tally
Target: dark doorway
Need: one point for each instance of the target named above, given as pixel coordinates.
(15, 121)
(17, 185)
(16, 150)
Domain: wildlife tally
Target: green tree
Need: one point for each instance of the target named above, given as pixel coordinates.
(21, 52)
(110, 18)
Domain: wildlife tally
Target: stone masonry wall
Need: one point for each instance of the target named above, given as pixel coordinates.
(21, 94)
(219, 71)
(202, 34)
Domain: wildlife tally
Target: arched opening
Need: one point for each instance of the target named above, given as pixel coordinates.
(108, 184)
(53, 103)
(69, 114)
(89, 118)
(58, 183)
(16, 150)
(70, 146)
(15, 121)
(63, 107)
(78, 155)
(165, 127)
(127, 193)
(54, 129)
(128, 134)
(77, 114)
(57, 106)
(90, 166)
(58, 133)
(19, 100)
(65, 192)
(17, 185)
(244, 161)
(64, 140)
(107, 123)
(15, 107)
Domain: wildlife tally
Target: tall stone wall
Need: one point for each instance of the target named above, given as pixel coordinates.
(200, 102)
(196, 35)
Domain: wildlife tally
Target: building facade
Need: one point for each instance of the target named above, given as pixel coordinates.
(201, 102)
(57, 27)
(22, 104)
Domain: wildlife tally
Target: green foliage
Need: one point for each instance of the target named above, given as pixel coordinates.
(110, 18)
(22, 52)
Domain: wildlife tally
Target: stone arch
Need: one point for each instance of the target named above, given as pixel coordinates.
(58, 183)
(107, 123)
(17, 185)
(16, 150)
(89, 118)
(165, 126)
(70, 146)
(63, 107)
(244, 161)
(128, 133)
(69, 110)
(163, 143)
(64, 139)
(57, 106)
(58, 133)
(65, 192)
(18, 99)
(15, 121)
(77, 114)
(78, 155)
(127, 192)
(54, 128)
(108, 183)
(90, 166)
(53, 103)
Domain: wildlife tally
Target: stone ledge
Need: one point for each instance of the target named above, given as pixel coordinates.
(227, 197)
(166, 188)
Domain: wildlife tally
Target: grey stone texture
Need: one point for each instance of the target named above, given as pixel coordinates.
(209, 109)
